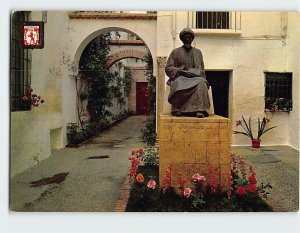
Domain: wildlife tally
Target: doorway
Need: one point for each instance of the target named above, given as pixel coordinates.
(142, 99)
(219, 81)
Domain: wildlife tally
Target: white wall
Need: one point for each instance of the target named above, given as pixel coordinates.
(260, 46)
(31, 130)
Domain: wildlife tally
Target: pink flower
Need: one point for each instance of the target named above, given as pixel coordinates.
(151, 184)
(187, 192)
(25, 98)
(197, 178)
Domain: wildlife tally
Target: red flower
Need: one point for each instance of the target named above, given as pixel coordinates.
(139, 178)
(241, 190)
(25, 98)
(141, 150)
(182, 182)
(252, 179)
(239, 122)
(132, 170)
(42, 101)
(133, 152)
(252, 188)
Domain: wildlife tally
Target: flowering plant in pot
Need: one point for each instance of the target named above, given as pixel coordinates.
(31, 99)
(247, 129)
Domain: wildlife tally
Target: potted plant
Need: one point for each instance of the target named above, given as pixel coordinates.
(31, 99)
(248, 129)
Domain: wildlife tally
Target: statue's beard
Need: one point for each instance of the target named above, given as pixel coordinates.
(188, 46)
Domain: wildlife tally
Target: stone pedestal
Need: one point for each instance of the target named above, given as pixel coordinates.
(193, 145)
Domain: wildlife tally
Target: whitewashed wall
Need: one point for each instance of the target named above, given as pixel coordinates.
(35, 132)
(259, 46)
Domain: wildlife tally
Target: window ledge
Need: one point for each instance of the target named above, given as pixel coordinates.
(273, 111)
(225, 32)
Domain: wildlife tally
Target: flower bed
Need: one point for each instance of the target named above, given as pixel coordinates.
(241, 194)
(78, 135)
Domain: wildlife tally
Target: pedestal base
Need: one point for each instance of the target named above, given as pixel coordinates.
(193, 145)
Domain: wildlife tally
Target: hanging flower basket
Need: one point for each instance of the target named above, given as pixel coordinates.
(256, 143)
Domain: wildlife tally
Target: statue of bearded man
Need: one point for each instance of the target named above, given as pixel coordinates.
(188, 85)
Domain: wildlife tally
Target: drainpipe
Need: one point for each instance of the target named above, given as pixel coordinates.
(174, 27)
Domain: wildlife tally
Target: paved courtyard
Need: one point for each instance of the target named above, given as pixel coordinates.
(91, 184)
(92, 174)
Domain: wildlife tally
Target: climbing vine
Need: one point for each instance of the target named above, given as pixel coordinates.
(93, 66)
(148, 132)
(127, 81)
(151, 87)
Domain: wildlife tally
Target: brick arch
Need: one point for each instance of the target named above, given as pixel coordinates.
(117, 56)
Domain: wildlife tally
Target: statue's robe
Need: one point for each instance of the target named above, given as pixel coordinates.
(187, 95)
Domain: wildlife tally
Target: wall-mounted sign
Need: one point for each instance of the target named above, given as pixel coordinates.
(32, 35)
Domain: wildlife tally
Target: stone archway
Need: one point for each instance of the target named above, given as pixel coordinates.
(94, 28)
(115, 57)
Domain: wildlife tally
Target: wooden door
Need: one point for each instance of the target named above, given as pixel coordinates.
(142, 100)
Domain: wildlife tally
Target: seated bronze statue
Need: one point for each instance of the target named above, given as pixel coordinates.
(188, 85)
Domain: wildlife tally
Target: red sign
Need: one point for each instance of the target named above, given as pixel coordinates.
(32, 35)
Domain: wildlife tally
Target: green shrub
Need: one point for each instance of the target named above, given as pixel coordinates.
(148, 132)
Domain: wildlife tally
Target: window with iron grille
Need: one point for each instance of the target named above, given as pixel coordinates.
(278, 92)
(20, 63)
(212, 20)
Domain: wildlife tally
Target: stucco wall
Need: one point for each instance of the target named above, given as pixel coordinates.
(293, 64)
(260, 46)
(30, 130)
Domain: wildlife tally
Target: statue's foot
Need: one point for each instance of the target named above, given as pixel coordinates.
(199, 115)
(177, 113)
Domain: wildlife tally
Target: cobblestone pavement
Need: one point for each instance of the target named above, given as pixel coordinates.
(90, 184)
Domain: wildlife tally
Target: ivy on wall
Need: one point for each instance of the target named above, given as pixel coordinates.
(93, 65)
(102, 85)
(151, 87)
(127, 81)
(148, 132)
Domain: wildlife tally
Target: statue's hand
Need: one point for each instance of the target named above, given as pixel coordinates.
(187, 74)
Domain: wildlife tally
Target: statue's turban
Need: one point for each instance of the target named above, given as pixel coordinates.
(186, 31)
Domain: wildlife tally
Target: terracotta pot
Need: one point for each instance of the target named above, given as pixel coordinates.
(256, 143)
